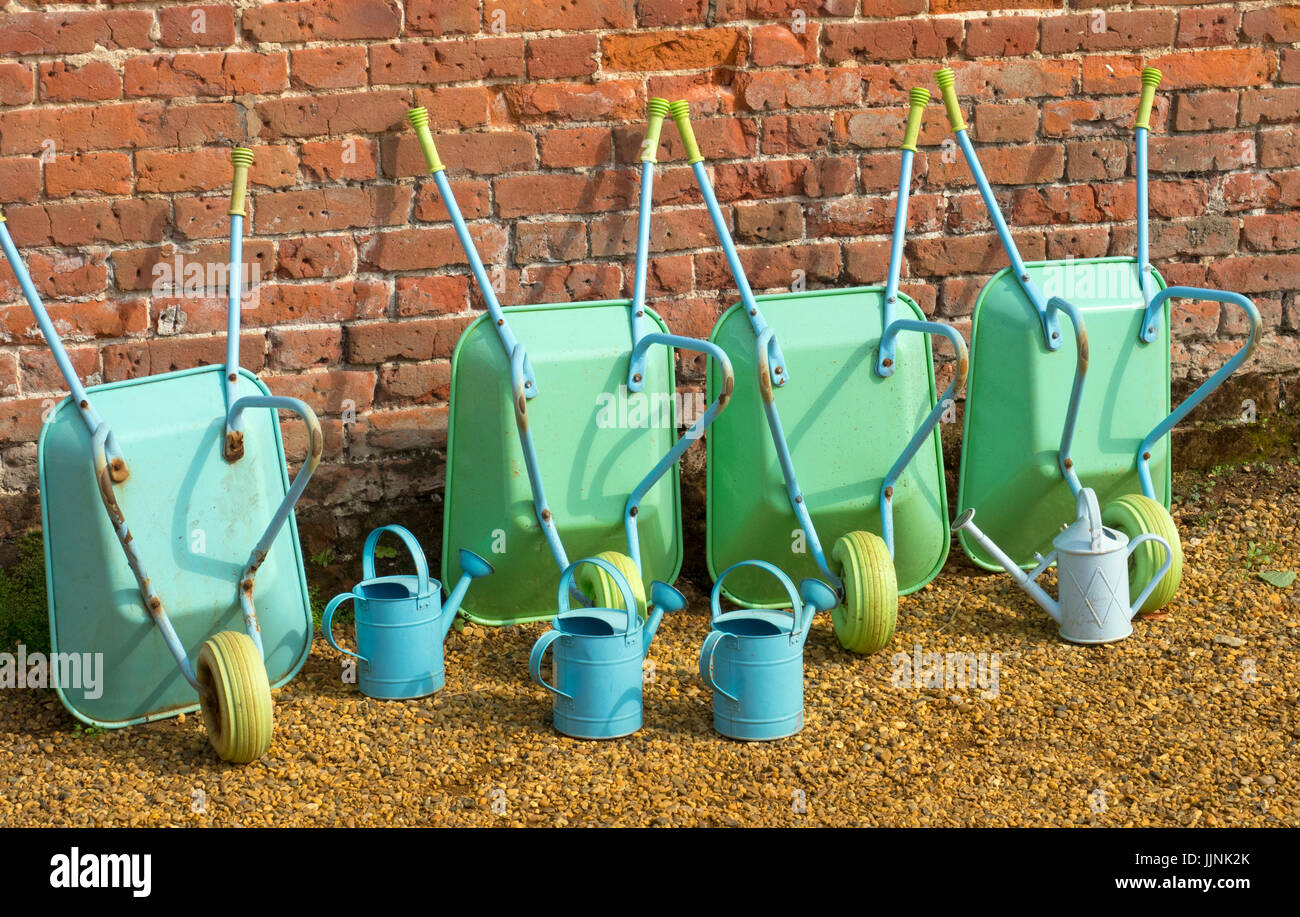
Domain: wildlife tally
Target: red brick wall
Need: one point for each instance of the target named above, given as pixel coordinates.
(116, 117)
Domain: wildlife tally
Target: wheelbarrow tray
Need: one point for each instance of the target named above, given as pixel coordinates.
(1017, 395)
(195, 518)
(845, 426)
(594, 441)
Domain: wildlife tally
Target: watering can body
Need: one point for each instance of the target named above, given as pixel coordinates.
(753, 659)
(401, 623)
(596, 672)
(1092, 574)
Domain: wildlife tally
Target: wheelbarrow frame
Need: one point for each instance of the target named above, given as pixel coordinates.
(525, 387)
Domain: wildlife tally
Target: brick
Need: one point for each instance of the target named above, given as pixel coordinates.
(1270, 106)
(576, 148)
(331, 209)
(1068, 117)
(20, 422)
(1198, 69)
(343, 113)
(164, 270)
(782, 46)
(328, 391)
(88, 174)
(474, 198)
(879, 171)
(555, 193)
(206, 74)
(421, 383)
(456, 106)
(337, 301)
(20, 180)
(89, 222)
(671, 12)
(328, 68)
(350, 159)
(773, 267)
(944, 257)
(562, 57)
(1256, 274)
(412, 339)
(897, 40)
(575, 15)
(675, 230)
(1078, 242)
(777, 90)
(1016, 79)
(163, 355)
(201, 217)
(1199, 28)
(17, 83)
(669, 275)
(1202, 111)
(1278, 149)
(446, 61)
(75, 32)
(552, 240)
(315, 256)
(323, 20)
(1271, 232)
(572, 283)
(438, 17)
(1279, 24)
(437, 295)
(208, 25)
(880, 127)
(1289, 71)
(1222, 152)
(778, 178)
(489, 153)
(966, 6)
(719, 138)
(1096, 159)
(768, 222)
(1027, 164)
(96, 81)
(1056, 205)
(1002, 36)
(81, 321)
(1012, 122)
(871, 215)
(1202, 235)
(697, 49)
(40, 373)
(301, 348)
(786, 134)
(208, 168)
(428, 248)
(1110, 31)
(612, 100)
(813, 9)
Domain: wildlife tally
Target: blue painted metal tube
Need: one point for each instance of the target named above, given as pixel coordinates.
(518, 378)
(315, 447)
(1066, 464)
(685, 441)
(85, 408)
(1143, 245)
(775, 360)
(885, 356)
(932, 419)
(1051, 327)
(1210, 384)
(234, 443)
(636, 365)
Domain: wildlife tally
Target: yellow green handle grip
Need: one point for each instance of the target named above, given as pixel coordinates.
(242, 157)
(656, 111)
(419, 119)
(947, 80)
(681, 112)
(919, 98)
(1150, 80)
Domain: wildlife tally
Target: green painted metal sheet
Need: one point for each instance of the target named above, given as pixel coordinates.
(845, 426)
(195, 518)
(594, 442)
(1017, 395)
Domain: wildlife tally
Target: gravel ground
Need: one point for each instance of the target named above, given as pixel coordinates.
(1191, 721)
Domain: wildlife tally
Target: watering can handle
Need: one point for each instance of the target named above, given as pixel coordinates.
(327, 621)
(706, 661)
(566, 583)
(1160, 574)
(796, 605)
(535, 661)
(1091, 509)
(413, 546)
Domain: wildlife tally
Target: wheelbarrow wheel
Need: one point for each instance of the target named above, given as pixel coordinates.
(864, 623)
(235, 696)
(600, 587)
(1134, 515)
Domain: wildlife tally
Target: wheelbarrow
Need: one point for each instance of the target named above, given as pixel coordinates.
(845, 396)
(185, 459)
(1023, 481)
(604, 428)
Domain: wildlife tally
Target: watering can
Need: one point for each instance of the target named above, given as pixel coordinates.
(401, 621)
(1092, 575)
(598, 655)
(753, 658)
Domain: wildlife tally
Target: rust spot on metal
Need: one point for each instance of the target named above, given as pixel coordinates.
(889, 493)
(521, 411)
(963, 369)
(247, 585)
(501, 321)
(636, 377)
(633, 511)
(798, 498)
(886, 362)
(1069, 463)
(1146, 456)
(728, 386)
(317, 444)
(1083, 351)
(84, 404)
(780, 370)
(234, 446)
(118, 471)
(764, 380)
(232, 377)
(155, 603)
(546, 515)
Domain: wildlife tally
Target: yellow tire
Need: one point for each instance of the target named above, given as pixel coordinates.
(864, 622)
(235, 696)
(1134, 515)
(600, 587)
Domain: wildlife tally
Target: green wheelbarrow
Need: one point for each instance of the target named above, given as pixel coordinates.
(185, 460)
(604, 428)
(1023, 464)
(844, 395)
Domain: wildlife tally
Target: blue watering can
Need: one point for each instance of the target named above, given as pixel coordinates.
(753, 658)
(401, 621)
(598, 657)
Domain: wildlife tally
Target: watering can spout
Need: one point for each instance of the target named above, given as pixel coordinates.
(472, 567)
(816, 596)
(663, 598)
(1026, 581)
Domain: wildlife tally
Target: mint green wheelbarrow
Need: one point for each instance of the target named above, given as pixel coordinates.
(599, 417)
(184, 458)
(1023, 462)
(842, 389)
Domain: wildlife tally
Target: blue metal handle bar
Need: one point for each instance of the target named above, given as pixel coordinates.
(707, 649)
(545, 518)
(567, 588)
(327, 623)
(796, 604)
(412, 547)
(1210, 384)
(508, 340)
(685, 441)
(535, 661)
(1051, 327)
(636, 366)
(1064, 461)
(234, 447)
(932, 419)
(1146, 333)
(91, 418)
(775, 360)
(762, 349)
(1160, 574)
(316, 445)
(888, 343)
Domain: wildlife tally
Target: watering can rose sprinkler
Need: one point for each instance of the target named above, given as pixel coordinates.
(401, 621)
(1092, 574)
